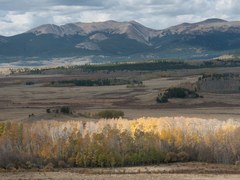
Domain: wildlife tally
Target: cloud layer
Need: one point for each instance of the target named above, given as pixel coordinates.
(17, 16)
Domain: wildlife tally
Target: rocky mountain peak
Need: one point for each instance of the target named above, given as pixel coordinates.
(132, 29)
(206, 26)
(212, 20)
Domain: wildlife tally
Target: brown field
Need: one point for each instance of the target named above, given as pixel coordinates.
(18, 100)
(180, 171)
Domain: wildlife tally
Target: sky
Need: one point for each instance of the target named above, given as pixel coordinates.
(18, 16)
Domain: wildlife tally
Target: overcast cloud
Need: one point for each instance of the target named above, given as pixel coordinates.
(17, 16)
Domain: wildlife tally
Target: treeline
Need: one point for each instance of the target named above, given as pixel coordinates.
(139, 66)
(98, 82)
(120, 142)
(131, 66)
(215, 76)
(156, 65)
(153, 65)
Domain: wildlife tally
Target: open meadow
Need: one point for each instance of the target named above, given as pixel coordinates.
(104, 124)
(18, 100)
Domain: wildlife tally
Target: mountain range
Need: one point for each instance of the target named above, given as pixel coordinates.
(203, 40)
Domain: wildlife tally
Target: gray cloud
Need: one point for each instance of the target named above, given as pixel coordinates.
(17, 16)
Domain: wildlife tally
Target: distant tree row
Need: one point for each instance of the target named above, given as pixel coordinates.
(153, 65)
(215, 76)
(138, 66)
(98, 82)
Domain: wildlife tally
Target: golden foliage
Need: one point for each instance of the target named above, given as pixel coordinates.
(119, 142)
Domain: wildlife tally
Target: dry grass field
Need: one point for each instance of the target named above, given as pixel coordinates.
(75, 176)
(182, 171)
(18, 101)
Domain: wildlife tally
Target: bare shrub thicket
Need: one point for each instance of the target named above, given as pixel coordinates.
(118, 142)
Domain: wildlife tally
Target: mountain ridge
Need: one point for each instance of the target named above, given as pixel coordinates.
(132, 28)
(206, 39)
(90, 27)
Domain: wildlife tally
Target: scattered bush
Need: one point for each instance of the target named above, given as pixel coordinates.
(171, 157)
(176, 157)
(110, 114)
(2, 127)
(11, 167)
(162, 98)
(65, 110)
(237, 163)
(30, 83)
(183, 156)
(31, 115)
(49, 166)
(62, 164)
(135, 84)
(176, 93)
(29, 165)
